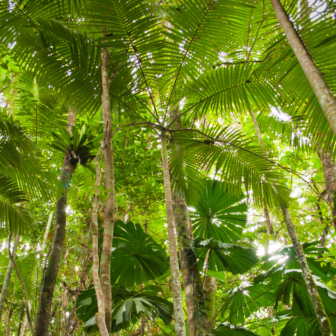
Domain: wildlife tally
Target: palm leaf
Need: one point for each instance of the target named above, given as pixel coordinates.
(136, 257)
(223, 256)
(218, 214)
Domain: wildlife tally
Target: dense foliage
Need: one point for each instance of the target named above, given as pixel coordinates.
(213, 88)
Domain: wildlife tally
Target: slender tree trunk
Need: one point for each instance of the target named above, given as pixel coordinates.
(175, 274)
(105, 261)
(100, 316)
(80, 287)
(270, 230)
(320, 312)
(46, 232)
(314, 76)
(50, 276)
(329, 172)
(184, 237)
(8, 318)
(143, 325)
(24, 326)
(183, 229)
(6, 282)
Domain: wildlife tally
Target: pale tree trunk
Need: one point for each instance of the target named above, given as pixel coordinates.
(80, 287)
(6, 282)
(7, 321)
(183, 229)
(100, 316)
(23, 330)
(50, 276)
(105, 261)
(174, 266)
(320, 312)
(46, 232)
(270, 230)
(314, 76)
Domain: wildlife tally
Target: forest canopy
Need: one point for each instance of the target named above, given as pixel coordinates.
(167, 167)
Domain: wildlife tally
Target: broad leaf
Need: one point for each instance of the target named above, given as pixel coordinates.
(218, 214)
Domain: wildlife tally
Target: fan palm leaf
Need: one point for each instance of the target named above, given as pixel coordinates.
(218, 214)
(224, 257)
(136, 257)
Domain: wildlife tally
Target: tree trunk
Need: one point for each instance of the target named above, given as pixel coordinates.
(8, 318)
(329, 172)
(6, 282)
(183, 229)
(210, 288)
(70, 328)
(50, 276)
(175, 274)
(100, 316)
(46, 232)
(320, 312)
(270, 230)
(105, 262)
(314, 76)
(24, 328)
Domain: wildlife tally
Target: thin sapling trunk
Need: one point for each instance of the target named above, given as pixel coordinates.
(105, 262)
(320, 312)
(100, 316)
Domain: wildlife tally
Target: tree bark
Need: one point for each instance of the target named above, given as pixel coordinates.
(50, 276)
(100, 316)
(183, 230)
(7, 321)
(329, 172)
(6, 282)
(320, 312)
(175, 274)
(105, 262)
(210, 288)
(314, 76)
